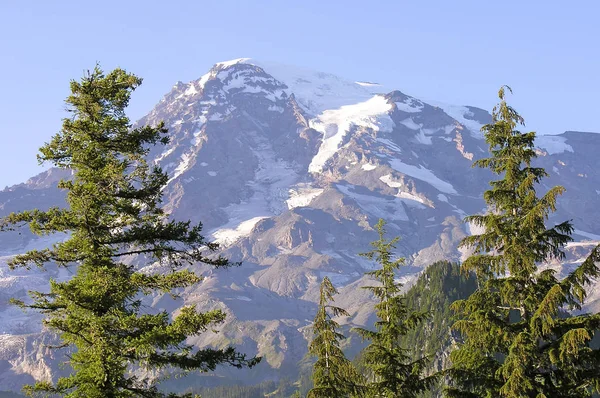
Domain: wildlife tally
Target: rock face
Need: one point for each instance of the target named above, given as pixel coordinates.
(289, 170)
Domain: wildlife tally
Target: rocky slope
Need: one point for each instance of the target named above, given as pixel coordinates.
(289, 169)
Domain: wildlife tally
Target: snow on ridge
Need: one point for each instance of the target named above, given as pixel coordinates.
(315, 91)
(553, 144)
(459, 113)
(184, 164)
(423, 174)
(336, 123)
(410, 124)
(422, 138)
(226, 64)
(368, 167)
(302, 196)
(380, 206)
(387, 180)
(191, 90)
(414, 106)
(229, 234)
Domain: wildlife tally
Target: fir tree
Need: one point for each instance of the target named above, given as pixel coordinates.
(518, 341)
(333, 375)
(114, 213)
(394, 373)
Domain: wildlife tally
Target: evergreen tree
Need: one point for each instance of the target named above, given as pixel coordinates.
(394, 373)
(518, 341)
(114, 213)
(333, 375)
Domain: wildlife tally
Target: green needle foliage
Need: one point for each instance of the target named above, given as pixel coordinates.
(393, 371)
(518, 339)
(113, 215)
(333, 375)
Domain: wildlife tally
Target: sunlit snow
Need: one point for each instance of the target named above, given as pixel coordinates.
(458, 113)
(408, 122)
(413, 106)
(553, 144)
(336, 123)
(388, 208)
(228, 235)
(302, 196)
(271, 185)
(317, 91)
(387, 179)
(368, 167)
(423, 174)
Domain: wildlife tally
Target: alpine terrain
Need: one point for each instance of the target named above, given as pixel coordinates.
(290, 170)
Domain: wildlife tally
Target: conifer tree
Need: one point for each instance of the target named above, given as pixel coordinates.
(394, 372)
(333, 375)
(114, 213)
(518, 340)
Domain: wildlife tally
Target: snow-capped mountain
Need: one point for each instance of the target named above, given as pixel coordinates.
(289, 169)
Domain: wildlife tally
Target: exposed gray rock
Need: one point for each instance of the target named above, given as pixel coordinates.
(289, 170)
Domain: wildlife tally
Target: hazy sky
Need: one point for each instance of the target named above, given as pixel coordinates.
(457, 52)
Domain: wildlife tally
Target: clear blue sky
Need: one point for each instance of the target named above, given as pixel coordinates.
(458, 52)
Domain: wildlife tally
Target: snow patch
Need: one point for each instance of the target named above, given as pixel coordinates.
(553, 144)
(423, 174)
(368, 167)
(191, 90)
(391, 145)
(474, 229)
(227, 64)
(228, 235)
(272, 181)
(387, 179)
(164, 154)
(409, 123)
(184, 164)
(412, 106)
(458, 113)
(335, 124)
(301, 197)
(422, 138)
(379, 206)
(212, 173)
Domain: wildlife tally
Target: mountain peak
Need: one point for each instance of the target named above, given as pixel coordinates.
(289, 169)
(315, 91)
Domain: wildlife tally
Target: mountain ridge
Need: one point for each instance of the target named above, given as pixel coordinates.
(289, 173)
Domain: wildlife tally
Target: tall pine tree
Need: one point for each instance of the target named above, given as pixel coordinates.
(518, 340)
(393, 372)
(333, 375)
(114, 213)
